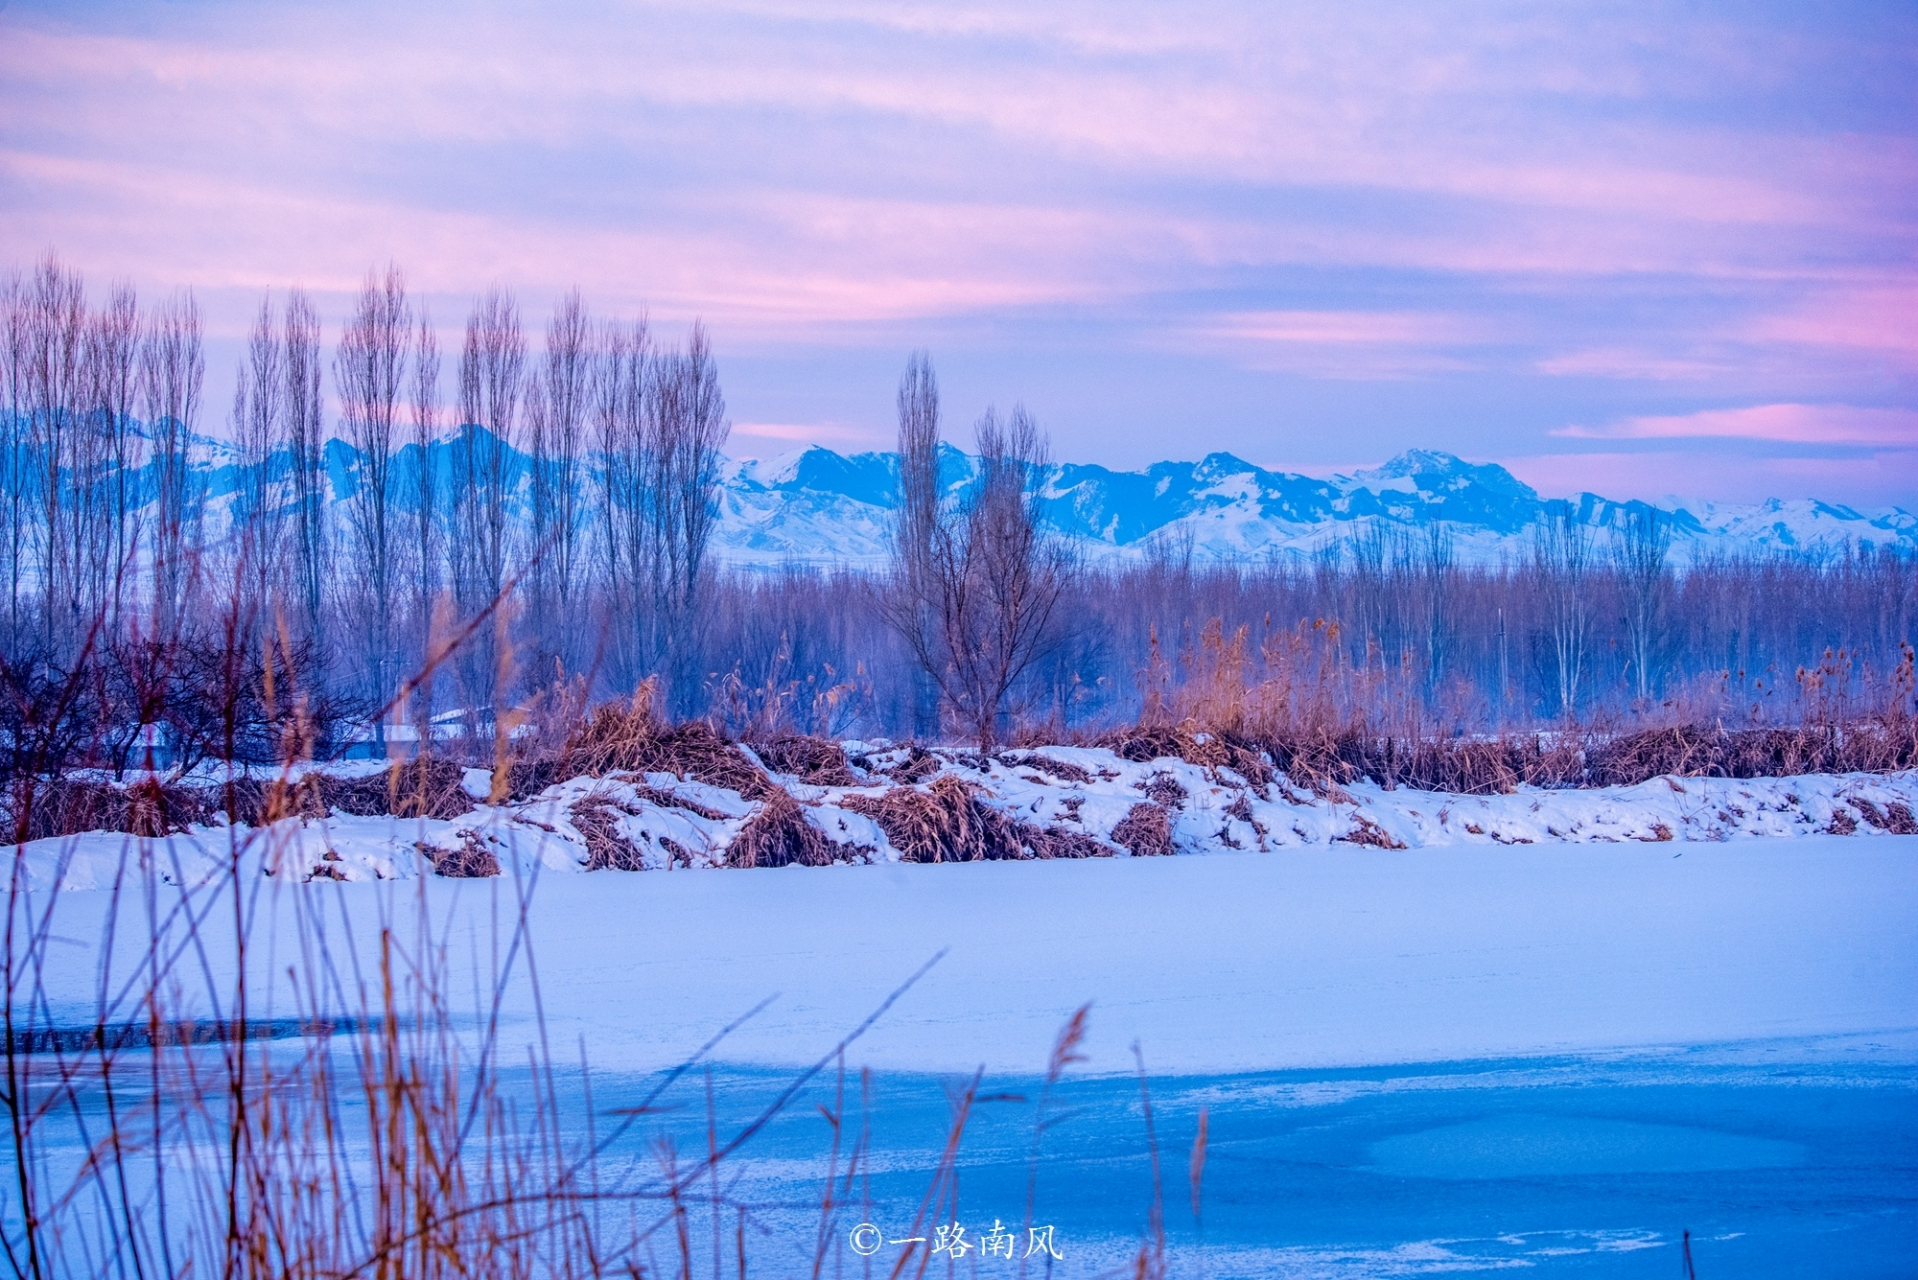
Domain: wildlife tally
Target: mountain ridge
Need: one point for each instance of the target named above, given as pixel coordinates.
(814, 506)
(1232, 509)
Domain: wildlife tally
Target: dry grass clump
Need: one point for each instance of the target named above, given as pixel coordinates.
(1165, 790)
(1062, 842)
(672, 800)
(1064, 770)
(1325, 761)
(426, 787)
(779, 835)
(817, 762)
(1466, 766)
(423, 787)
(596, 818)
(1367, 832)
(471, 861)
(1895, 818)
(1327, 758)
(1221, 749)
(1145, 831)
(946, 822)
(1716, 752)
(918, 765)
(631, 739)
(149, 807)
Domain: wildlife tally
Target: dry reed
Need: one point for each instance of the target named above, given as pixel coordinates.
(779, 835)
(1145, 831)
(596, 818)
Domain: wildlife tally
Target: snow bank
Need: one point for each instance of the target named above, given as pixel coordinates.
(1096, 800)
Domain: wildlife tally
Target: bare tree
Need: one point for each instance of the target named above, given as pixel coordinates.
(1561, 556)
(1641, 542)
(259, 424)
(307, 464)
(994, 581)
(687, 428)
(623, 369)
(568, 390)
(536, 428)
(172, 370)
(56, 335)
(694, 450)
(87, 485)
(1439, 569)
(369, 368)
(425, 479)
(492, 367)
(113, 359)
(915, 527)
(15, 468)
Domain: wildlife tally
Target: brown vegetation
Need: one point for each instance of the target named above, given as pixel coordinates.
(423, 787)
(1060, 769)
(779, 835)
(596, 818)
(1367, 832)
(68, 806)
(1894, 817)
(1145, 831)
(630, 738)
(945, 822)
(816, 762)
(948, 821)
(471, 861)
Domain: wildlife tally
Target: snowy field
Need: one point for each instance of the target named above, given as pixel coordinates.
(1551, 1032)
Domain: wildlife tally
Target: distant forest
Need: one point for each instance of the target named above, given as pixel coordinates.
(142, 626)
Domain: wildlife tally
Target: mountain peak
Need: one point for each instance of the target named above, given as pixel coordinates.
(1226, 464)
(1435, 471)
(1415, 462)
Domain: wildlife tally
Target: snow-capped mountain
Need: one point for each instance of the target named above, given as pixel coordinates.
(815, 506)
(820, 508)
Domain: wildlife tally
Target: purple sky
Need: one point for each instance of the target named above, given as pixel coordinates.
(1643, 249)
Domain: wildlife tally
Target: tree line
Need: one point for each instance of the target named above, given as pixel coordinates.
(123, 562)
(542, 532)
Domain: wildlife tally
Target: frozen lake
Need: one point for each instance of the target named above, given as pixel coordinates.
(1782, 1158)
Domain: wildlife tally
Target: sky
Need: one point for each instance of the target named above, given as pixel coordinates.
(1642, 249)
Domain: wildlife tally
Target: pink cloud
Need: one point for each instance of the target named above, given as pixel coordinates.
(1339, 328)
(1632, 366)
(1344, 115)
(1343, 345)
(1886, 478)
(1131, 92)
(1878, 317)
(768, 439)
(1781, 423)
(870, 261)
